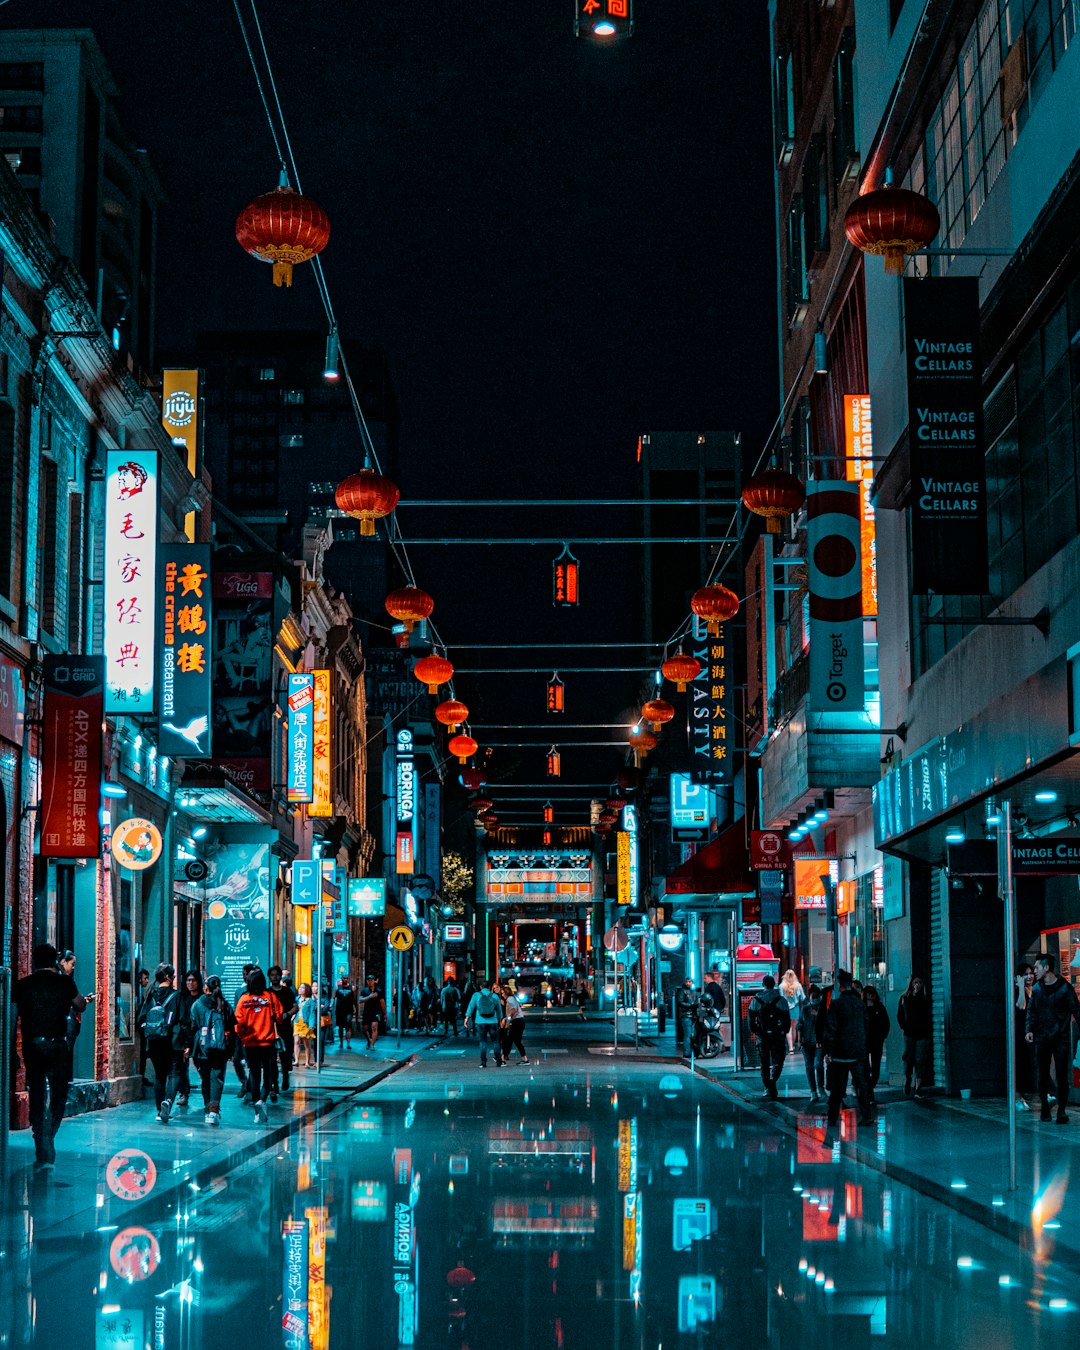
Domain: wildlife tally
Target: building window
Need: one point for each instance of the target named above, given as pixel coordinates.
(47, 546)
(293, 397)
(845, 118)
(798, 296)
(20, 117)
(22, 75)
(74, 569)
(266, 372)
(321, 488)
(815, 193)
(784, 105)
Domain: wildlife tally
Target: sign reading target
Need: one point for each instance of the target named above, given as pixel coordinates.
(833, 547)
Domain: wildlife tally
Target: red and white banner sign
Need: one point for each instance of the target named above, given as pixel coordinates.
(71, 757)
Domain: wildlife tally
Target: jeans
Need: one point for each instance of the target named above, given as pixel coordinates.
(874, 1054)
(212, 1075)
(814, 1059)
(167, 1062)
(489, 1035)
(1057, 1052)
(686, 1033)
(46, 1067)
(284, 1062)
(773, 1053)
(260, 1061)
(838, 1081)
(449, 1019)
(512, 1034)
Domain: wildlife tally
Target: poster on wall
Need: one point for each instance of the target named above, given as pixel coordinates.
(130, 566)
(833, 550)
(301, 704)
(236, 907)
(242, 690)
(184, 658)
(71, 756)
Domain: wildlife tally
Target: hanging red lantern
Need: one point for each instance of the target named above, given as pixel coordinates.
(488, 818)
(564, 578)
(628, 779)
(473, 779)
(549, 813)
(657, 711)
(547, 837)
(433, 671)
(410, 606)
(481, 804)
(716, 605)
(460, 1277)
(284, 228)
(601, 828)
(556, 694)
(367, 496)
(681, 669)
(554, 763)
(464, 747)
(452, 713)
(615, 803)
(608, 817)
(893, 221)
(774, 494)
(642, 744)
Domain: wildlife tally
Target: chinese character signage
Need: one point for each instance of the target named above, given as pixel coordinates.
(242, 687)
(71, 757)
(607, 20)
(322, 802)
(294, 1285)
(184, 657)
(136, 843)
(948, 473)
(769, 850)
(333, 896)
(836, 597)
(622, 870)
(366, 897)
(859, 444)
(180, 413)
(405, 803)
(564, 579)
(131, 521)
(711, 716)
(301, 704)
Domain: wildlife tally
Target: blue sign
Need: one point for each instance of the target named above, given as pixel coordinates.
(691, 808)
(333, 894)
(301, 714)
(366, 897)
(305, 882)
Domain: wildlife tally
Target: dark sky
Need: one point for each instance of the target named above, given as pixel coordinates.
(557, 245)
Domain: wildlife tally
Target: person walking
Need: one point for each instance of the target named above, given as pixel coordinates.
(189, 996)
(812, 1052)
(142, 1003)
(770, 1020)
(485, 1013)
(686, 1001)
(1026, 1080)
(281, 988)
(513, 1028)
(344, 1012)
(42, 1001)
(1050, 1014)
(844, 1038)
(451, 1002)
(213, 1026)
(914, 1016)
(167, 1039)
(878, 1026)
(304, 1024)
(372, 1012)
(258, 1016)
(467, 995)
(795, 997)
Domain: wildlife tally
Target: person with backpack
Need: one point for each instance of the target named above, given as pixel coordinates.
(212, 1023)
(844, 1038)
(485, 1013)
(812, 1052)
(285, 994)
(513, 1027)
(450, 1001)
(43, 1000)
(166, 1039)
(258, 1016)
(686, 1002)
(770, 1021)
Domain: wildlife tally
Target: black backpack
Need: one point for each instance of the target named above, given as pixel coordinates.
(774, 1018)
(160, 1018)
(211, 1034)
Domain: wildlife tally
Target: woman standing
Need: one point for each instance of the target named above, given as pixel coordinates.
(1025, 1067)
(372, 1011)
(878, 1027)
(795, 997)
(916, 1021)
(212, 1023)
(513, 1028)
(304, 1028)
(189, 996)
(258, 1013)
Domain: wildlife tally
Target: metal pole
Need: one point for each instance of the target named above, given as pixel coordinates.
(400, 1001)
(7, 1030)
(1008, 896)
(321, 926)
(733, 994)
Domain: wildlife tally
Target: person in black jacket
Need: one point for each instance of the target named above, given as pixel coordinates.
(43, 1000)
(845, 1046)
(878, 1027)
(167, 1037)
(686, 1001)
(212, 1028)
(915, 1016)
(1050, 1013)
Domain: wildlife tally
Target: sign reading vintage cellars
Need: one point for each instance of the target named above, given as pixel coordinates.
(769, 851)
(711, 713)
(948, 472)
(71, 756)
(405, 802)
(836, 603)
(322, 802)
(136, 844)
(859, 458)
(1058, 853)
(131, 529)
(184, 656)
(301, 701)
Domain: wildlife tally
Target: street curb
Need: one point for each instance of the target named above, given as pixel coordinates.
(1000, 1223)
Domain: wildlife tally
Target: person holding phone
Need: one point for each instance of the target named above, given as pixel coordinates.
(43, 1000)
(74, 1017)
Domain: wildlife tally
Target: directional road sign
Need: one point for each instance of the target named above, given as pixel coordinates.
(306, 882)
(400, 938)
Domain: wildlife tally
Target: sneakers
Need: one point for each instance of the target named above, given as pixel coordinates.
(273, 1096)
(163, 1112)
(907, 1087)
(1022, 1105)
(181, 1103)
(483, 1063)
(211, 1118)
(261, 1113)
(526, 1060)
(1062, 1119)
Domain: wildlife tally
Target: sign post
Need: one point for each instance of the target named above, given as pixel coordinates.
(1008, 896)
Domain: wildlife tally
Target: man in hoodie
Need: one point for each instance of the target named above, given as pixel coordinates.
(1050, 1013)
(844, 1039)
(770, 1019)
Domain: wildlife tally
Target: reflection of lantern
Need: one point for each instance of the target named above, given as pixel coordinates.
(714, 604)
(681, 669)
(464, 747)
(774, 494)
(473, 779)
(549, 813)
(628, 779)
(601, 828)
(556, 694)
(657, 711)
(554, 763)
(284, 228)
(893, 221)
(367, 496)
(433, 671)
(642, 743)
(488, 818)
(410, 606)
(452, 713)
(460, 1277)
(564, 579)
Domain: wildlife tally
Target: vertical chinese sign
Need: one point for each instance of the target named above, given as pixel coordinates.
(131, 523)
(322, 800)
(859, 457)
(294, 1286)
(301, 700)
(711, 716)
(564, 579)
(622, 868)
(71, 758)
(242, 679)
(184, 657)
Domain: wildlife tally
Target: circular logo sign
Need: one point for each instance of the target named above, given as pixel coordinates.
(179, 408)
(134, 1254)
(195, 870)
(131, 1174)
(769, 843)
(136, 843)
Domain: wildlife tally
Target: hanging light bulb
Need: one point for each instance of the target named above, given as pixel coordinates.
(556, 694)
(330, 364)
(554, 763)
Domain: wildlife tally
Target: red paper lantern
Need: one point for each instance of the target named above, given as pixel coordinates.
(774, 494)
(367, 496)
(410, 606)
(714, 604)
(452, 713)
(642, 742)
(481, 804)
(615, 803)
(433, 671)
(681, 669)
(628, 779)
(601, 828)
(488, 818)
(284, 228)
(608, 817)
(464, 747)
(473, 779)
(460, 1277)
(657, 711)
(893, 221)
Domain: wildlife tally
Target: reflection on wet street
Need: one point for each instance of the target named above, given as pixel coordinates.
(571, 1203)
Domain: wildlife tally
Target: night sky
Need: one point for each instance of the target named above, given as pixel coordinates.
(557, 245)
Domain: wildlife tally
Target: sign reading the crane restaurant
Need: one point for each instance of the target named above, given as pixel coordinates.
(131, 531)
(945, 430)
(184, 658)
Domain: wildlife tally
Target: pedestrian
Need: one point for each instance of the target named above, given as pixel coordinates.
(686, 1001)
(189, 996)
(167, 1039)
(513, 1028)
(304, 1027)
(813, 1052)
(451, 1002)
(545, 993)
(795, 997)
(344, 1012)
(258, 1016)
(42, 1001)
(1026, 1080)
(238, 1059)
(372, 1012)
(878, 1027)
(66, 965)
(467, 995)
(485, 1013)
(914, 1015)
(770, 1019)
(1050, 1014)
(281, 988)
(141, 1005)
(213, 1025)
(844, 1038)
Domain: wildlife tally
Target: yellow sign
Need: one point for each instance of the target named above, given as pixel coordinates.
(623, 866)
(180, 417)
(136, 843)
(624, 1155)
(322, 801)
(629, 1231)
(400, 938)
(859, 443)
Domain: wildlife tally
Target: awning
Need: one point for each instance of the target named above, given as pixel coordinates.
(221, 801)
(721, 867)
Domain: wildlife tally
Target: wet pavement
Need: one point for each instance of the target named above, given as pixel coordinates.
(585, 1199)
